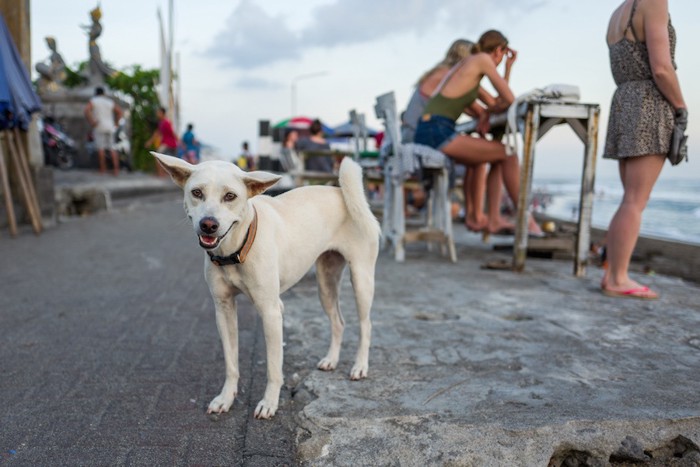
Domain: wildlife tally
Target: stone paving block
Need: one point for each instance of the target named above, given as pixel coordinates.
(153, 455)
(84, 456)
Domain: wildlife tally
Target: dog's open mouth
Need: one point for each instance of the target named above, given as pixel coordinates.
(208, 241)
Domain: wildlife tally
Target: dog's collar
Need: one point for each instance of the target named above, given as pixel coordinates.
(239, 256)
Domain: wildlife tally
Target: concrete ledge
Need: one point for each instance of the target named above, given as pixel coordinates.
(672, 257)
(425, 440)
(491, 368)
(83, 192)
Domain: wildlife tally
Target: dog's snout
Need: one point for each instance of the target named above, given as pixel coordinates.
(208, 225)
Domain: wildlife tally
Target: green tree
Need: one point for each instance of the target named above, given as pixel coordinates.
(140, 85)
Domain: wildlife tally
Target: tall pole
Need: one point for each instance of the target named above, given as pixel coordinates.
(171, 92)
(294, 86)
(178, 89)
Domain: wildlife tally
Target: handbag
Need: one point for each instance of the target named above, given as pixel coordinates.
(679, 140)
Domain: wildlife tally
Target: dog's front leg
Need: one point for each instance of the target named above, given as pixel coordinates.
(271, 314)
(227, 324)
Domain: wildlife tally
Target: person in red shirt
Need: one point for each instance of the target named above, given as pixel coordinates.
(165, 135)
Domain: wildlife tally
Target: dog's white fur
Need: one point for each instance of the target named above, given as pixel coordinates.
(327, 225)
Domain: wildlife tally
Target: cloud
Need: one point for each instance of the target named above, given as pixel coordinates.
(248, 82)
(346, 22)
(253, 38)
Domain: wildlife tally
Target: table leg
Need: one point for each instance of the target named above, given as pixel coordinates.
(532, 123)
(387, 214)
(583, 238)
(399, 221)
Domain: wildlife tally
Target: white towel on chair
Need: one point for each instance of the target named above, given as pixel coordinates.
(414, 156)
(554, 92)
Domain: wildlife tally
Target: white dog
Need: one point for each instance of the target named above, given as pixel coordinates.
(260, 246)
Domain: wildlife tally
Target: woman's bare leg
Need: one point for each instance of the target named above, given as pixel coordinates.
(471, 151)
(638, 175)
(474, 188)
(494, 184)
(511, 179)
(468, 150)
(466, 191)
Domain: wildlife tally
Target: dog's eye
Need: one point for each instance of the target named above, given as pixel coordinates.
(229, 196)
(197, 193)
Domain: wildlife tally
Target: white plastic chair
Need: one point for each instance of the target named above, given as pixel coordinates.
(402, 162)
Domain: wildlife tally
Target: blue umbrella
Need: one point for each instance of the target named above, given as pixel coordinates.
(5, 103)
(346, 129)
(17, 97)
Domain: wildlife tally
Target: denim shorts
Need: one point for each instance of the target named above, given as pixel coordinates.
(435, 131)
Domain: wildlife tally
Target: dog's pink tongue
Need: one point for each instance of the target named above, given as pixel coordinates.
(208, 240)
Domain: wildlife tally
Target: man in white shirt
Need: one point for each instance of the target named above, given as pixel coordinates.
(102, 113)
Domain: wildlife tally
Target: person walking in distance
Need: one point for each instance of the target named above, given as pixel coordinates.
(102, 113)
(246, 160)
(190, 145)
(165, 134)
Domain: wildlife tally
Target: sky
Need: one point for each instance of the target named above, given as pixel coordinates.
(239, 59)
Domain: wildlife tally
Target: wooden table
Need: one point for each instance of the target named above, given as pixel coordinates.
(542, 116)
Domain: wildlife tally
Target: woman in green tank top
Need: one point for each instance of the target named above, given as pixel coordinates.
(461, 93)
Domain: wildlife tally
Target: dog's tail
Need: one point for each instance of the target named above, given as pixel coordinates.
(350, 178)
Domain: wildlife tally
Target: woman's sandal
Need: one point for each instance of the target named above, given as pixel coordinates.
(640, 293)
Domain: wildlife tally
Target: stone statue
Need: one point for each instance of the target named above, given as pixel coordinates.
(97, 69)
(52, 73)
(64, 98)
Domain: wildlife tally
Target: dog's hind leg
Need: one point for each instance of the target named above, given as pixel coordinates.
(227, 324)
(362, 276)
(329, 272)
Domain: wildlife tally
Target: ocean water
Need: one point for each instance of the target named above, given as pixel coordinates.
(673, 212)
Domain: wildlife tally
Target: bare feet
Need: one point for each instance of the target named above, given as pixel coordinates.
(476, 224)
(533, 228)
(506, 228)
(499, 225)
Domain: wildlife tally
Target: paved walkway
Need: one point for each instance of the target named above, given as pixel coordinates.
(109, 356)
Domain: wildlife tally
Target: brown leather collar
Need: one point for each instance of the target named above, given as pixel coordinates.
(239, 256)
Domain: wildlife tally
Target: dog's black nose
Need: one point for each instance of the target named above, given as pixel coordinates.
(208, 225)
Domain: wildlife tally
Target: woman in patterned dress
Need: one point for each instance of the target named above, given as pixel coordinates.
(641, 41)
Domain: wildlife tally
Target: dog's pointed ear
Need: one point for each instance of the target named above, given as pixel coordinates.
(259, 181)
(178, 169)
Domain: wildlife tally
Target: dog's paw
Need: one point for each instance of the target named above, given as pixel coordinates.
(265, 409)
(326, 364)
(358, 372)
(221, 403)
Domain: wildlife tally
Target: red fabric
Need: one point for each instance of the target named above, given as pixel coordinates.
(167, 135)
(379, 137)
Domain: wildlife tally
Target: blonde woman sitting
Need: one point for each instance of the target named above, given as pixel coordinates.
(461, 91)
